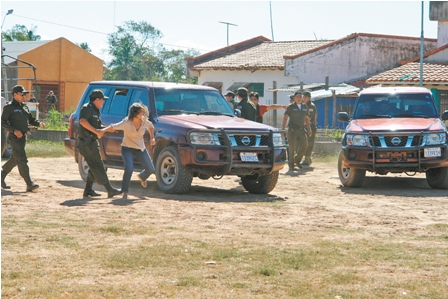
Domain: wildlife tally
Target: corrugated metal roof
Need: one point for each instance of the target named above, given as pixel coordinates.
(318, 90)
(268, 55)
(14, 49)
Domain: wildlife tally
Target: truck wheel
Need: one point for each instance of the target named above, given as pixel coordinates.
(83, 168)
(261, 185)
(172, 176)
(437, 178)
(349, 177)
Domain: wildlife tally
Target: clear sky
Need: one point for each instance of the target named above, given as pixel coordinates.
(196, 24)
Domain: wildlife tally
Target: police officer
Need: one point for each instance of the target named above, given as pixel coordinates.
(15, 120)
(247, 108)
(312, 110)
(230, 98)
(299, 122)
(88, 146)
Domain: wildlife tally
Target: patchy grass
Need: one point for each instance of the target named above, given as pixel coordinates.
(45, 149)
(57, 255)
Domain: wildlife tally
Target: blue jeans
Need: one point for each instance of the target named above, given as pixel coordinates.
(128, 155)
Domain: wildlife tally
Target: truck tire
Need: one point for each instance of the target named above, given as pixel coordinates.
(172, 176)
(261, 185)
(83, 168)
(437, 178)
(349, 177)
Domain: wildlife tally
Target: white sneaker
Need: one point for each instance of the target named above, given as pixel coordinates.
(142, 181)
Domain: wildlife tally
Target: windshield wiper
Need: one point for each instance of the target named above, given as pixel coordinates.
(174, 110)
(412, 115)
(374, 116)
(213, 113)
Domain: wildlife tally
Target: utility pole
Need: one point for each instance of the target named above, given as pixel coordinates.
(4, 79)
(422, 40)
(227, 23)
(10, 11)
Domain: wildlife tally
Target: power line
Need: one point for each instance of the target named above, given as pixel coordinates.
(98, 32)
(73, 27)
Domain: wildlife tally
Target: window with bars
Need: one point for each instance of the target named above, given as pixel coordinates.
(443, 100)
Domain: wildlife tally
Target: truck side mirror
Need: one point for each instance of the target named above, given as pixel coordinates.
(445, 115)
(237, 112)
(342, 116)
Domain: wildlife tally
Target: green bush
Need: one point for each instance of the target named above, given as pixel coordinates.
(56, 120)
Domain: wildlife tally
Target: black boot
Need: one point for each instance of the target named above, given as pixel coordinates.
(31, 187)
(111, 191)
(4, 186)
(88, 191)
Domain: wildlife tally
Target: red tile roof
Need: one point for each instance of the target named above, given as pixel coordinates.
(267, 55)
(433, 73)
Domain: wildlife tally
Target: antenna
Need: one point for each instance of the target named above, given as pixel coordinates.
(227, 23)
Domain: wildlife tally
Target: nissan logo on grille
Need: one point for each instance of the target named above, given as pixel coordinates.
(396, 140)
(245, 140)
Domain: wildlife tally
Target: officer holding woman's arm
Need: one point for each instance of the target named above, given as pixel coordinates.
(88, 146)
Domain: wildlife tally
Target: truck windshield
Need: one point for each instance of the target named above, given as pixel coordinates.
(189, 101)
(394, 105)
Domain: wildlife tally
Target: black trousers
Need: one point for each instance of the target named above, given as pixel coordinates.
(91, 152)
(18, 158)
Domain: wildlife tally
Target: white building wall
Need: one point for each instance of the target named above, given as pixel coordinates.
(354, 59)
(267, 77)
(441, 56)
(442, 33)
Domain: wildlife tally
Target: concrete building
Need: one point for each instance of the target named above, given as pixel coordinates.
(434, 64)
(60, 65)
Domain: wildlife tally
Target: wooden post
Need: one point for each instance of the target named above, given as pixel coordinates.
(326, 112)
(274, 116)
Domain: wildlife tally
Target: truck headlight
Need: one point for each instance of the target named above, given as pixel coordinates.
(278, 139)
(435, 138)
(358, 140)
(203, 138)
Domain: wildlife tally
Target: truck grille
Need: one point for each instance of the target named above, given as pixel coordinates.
(246, 139)
(396, 141)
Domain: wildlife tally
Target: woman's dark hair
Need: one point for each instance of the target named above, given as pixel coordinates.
(135, 109)
(254, 94)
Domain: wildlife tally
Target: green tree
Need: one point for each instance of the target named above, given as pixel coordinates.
(174, 65)
(20, 33)
(85, 46)
(137, 55)
(132, 47)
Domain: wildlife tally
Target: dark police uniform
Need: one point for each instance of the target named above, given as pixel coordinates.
(88, 146)
(249, 111)
(312, 110)
(297, 135)
(16, 116)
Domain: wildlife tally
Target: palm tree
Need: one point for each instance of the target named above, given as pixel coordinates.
(20, 33)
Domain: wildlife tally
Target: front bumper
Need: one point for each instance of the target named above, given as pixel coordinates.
(225, 159)
(400, 159)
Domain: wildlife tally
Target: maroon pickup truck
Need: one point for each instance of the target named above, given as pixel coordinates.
(197, 135)
(394, 130)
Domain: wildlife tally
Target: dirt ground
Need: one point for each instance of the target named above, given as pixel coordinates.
(384, 205)
(309, 204)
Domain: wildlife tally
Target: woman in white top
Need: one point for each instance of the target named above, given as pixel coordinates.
(133, 145)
